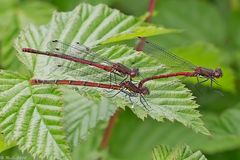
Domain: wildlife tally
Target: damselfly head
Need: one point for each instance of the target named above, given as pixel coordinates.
(145, 91)
(218, 73)
(134, 72)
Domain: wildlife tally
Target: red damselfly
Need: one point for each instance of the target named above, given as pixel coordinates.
(126, 87)
(182, 66)
(80, 54)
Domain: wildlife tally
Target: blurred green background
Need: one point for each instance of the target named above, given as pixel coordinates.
(210, 37)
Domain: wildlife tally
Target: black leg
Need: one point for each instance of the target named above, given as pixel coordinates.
(198, 83)
(127, 93)
(141, 76)
(141, 96)
(121, 90)
(143, 104)
(115, 79)
(214, 80)
(211, 84)
(124, 79)
(115, 94)
(197, 80)
(219, 92)
(115, 73)
(129, 97)
(203, 81)
(110, 80)
(109, 91)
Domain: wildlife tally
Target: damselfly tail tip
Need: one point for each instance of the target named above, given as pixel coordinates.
(27, 49)
(30, 50)
(24, 49)
(33, 81)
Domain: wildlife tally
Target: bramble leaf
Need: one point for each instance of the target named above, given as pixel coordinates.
(83, 114)
(181, 152)
(16, 15)
(32, 116)
(90, 25)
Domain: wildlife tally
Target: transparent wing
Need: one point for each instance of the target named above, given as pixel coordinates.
(77, 71)
(168, 58)
(76, 50)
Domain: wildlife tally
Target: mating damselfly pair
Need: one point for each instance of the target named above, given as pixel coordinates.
(78, 53)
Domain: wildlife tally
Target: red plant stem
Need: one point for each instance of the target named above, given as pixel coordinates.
(151, 7)
(109, 129)
(111, 123)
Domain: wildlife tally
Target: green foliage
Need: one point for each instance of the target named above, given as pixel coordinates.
(14, 16)
(4, 145)
(15, 152)
(83, 114)
(90, 26)
(181, 152)
(89, 149)
(224, 129)
(195, 18)
(143, 31)
(32, 116)
(209, 37)
(181, 108)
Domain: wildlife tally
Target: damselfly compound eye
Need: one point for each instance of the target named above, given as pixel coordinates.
(218, 73)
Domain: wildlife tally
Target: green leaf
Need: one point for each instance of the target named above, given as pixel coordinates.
(181, 152)
(195, 18)
(89, 149)
(233, 32)
(168, 98)
(143, 31)
(32, 116)
(150, 133)
(63, 5)
(226, 123)
(3, 145)
(15, 152)
(83, 114)
(175, 103)
(87, 25)
(224, 128)
(16, 15)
